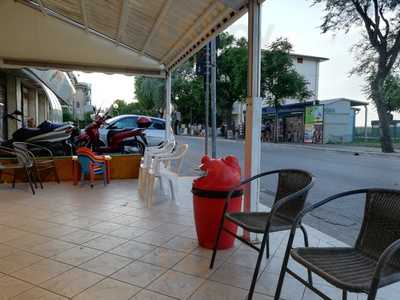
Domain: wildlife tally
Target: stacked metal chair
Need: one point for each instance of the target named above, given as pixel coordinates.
(23, 162)
(45, 164)
(291, 194)
(372, 263)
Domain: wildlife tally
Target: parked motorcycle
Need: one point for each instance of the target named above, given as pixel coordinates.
(56, 137)
(127, 140)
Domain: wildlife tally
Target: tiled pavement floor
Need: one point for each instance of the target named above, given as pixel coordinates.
(70, 242)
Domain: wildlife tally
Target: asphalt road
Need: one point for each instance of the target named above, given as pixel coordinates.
(334, 171)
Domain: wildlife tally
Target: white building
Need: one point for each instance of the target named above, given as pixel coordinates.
(308, 67)
(305, 65)
(82, 101)
(340, 119)
(36, 94)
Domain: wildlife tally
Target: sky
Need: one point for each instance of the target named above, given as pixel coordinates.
(296, 20)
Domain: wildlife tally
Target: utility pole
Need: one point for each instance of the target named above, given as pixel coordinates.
(168, 105)
(206, 97)
(365, 122)
(213, 44)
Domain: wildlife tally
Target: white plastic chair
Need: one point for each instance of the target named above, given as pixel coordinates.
(147, 160)
(163, 169)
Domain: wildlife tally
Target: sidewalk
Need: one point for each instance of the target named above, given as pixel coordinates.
(356, 150)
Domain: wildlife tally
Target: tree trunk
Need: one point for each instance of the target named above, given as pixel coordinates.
(377, 87)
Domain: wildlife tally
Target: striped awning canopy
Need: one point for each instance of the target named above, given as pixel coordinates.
(113, 36)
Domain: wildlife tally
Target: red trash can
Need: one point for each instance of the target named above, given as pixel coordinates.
(209, 194)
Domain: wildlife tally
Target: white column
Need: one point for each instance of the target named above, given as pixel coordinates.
(14, 102)
(36, 102)
(41, 109)
(168, 105)
(32, 105)
(18, 93)
(254, 102)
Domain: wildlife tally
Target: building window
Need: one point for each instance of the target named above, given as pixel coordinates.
(300, 60)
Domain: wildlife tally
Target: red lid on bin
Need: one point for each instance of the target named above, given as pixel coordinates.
(221, 174)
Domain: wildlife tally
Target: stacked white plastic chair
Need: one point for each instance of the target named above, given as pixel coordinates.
(147, 160)
(150, 152)
(165, 168)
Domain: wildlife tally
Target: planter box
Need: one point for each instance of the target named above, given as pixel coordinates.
(122, 167)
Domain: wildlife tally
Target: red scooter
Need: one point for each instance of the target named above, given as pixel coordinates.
(125, 140)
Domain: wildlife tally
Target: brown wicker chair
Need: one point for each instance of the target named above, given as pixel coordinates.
(291, 194)
(373, 262)
(40, 166)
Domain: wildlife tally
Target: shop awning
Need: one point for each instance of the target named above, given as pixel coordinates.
(115, 36)
(288, 108)
(57, 81)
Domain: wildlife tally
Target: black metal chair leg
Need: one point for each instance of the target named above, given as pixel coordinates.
(310, 280)
(33, 176)
(221, 226)
(372, 294)
(14, 177)
(39, 178)
(257, 268)
(344, 295)
(284, 266)
(267, 245)
(56, 174)
(29, 179)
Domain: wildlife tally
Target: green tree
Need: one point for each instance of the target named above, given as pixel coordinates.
(392, 93)
(187, 94)
(125, 108)
(231, 75)
(67, 115)
(377, 51)
(150, 93)
(279, 78)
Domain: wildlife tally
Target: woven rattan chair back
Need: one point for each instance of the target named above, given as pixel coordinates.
(381, 224)
(24, 157)
(290, 182)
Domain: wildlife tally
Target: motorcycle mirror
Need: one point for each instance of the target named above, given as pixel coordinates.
(17, 113)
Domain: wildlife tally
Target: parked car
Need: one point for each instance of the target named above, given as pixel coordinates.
(155, 133)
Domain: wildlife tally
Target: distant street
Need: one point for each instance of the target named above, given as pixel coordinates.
(334, 171)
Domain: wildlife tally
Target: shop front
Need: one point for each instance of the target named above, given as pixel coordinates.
(296, 123)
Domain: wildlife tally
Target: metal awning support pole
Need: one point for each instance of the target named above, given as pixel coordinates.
(168, 105)
(207, 97)
(252, 154)
(366, 123)
(213, 44)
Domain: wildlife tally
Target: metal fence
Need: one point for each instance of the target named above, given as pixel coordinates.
(374, 135)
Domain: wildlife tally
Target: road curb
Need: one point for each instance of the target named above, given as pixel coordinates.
(314, 148)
